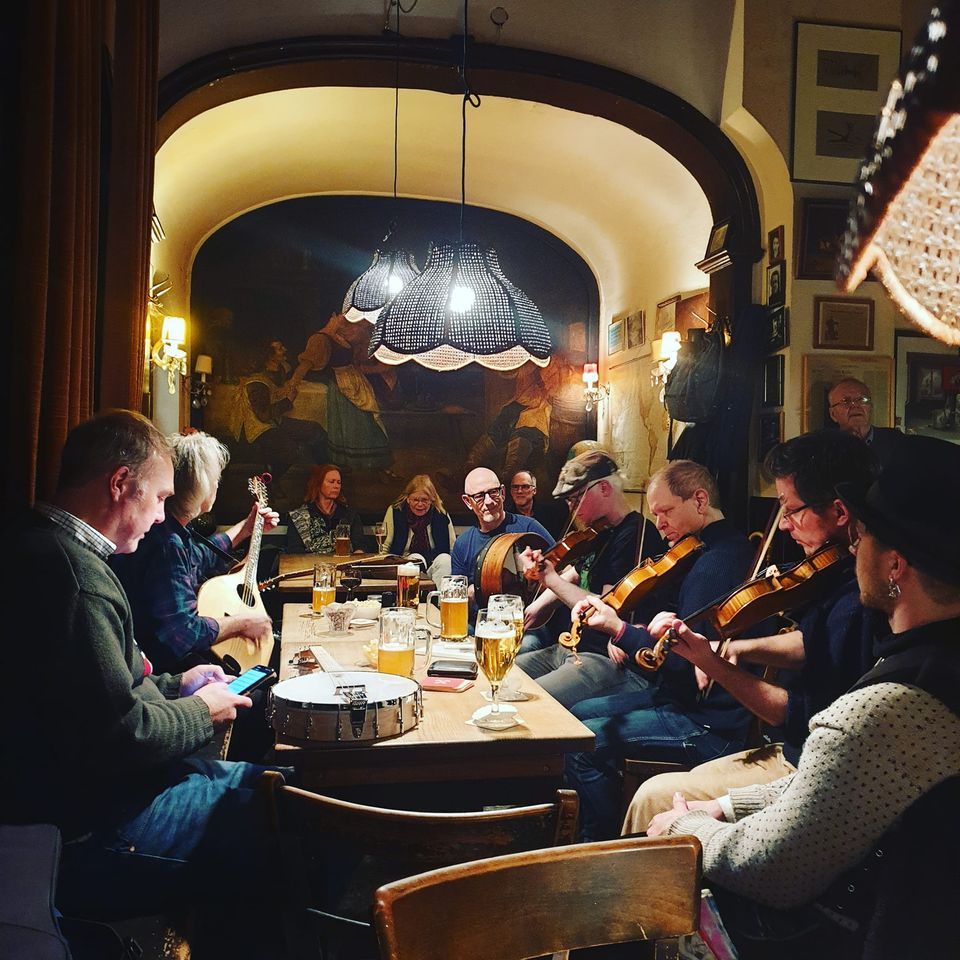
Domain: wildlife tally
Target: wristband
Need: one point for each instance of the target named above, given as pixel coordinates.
(618, 636)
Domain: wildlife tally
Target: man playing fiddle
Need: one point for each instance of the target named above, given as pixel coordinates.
(665, 721)
(853, 855)
(593, 490)
(831, 646)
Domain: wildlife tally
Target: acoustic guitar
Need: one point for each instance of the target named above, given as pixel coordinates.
(237, 592)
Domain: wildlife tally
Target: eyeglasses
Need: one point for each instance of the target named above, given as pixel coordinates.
(521, 486)
(495, 494)
(574, 499)
(851, 402)
(794, 511)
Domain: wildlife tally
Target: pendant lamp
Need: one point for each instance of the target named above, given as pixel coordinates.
(462, 309)
(904, 221)
(392, 267)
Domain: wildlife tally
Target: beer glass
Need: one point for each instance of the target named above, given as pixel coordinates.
(398, 637)
(496, 642)
(453, 608)
(324, 585)
(380, 532)
(341, 540)
(408, 585)
(510, 607)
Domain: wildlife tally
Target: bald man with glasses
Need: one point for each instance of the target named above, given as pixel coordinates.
(851, 409)
(483, 495)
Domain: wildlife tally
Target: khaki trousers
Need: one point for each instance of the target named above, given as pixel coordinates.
(705, 782)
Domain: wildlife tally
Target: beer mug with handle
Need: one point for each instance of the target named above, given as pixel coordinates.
(453, 608)
(509, 606)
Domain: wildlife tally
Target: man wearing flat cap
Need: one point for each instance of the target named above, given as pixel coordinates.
(858, 851)
(593, 490)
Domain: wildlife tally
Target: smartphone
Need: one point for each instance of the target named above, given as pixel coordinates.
(466, 669)
(250, 679)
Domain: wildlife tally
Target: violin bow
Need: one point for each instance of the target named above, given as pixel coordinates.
(761, 556)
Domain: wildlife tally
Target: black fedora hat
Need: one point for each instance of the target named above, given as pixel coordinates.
(912, 506)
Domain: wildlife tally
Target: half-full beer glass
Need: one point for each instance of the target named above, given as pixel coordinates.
(324, 585)
(398, 637)
(408, 585)
(341, 541)
(453, 607)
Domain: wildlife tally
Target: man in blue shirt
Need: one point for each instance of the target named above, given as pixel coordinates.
(483, 494)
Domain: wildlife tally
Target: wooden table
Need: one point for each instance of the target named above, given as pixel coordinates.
(443, 747)
(301, 586)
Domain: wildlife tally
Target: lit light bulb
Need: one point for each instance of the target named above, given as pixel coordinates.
(394, 284)
(461, 298)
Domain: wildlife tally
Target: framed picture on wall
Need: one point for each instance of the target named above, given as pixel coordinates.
(822, 225)
(666, 316)
(615, 337)
(821, 371)
(636, 327)
(773, 381)
(840, 82)
(776, 282)
(775, 252)
(718, 239)
(927, 386)
(842, 323)
(778, 329)
(771, 433)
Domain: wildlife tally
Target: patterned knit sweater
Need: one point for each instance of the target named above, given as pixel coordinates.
(869, 755)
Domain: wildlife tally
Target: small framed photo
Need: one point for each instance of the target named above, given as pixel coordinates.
(615, 337)
(778, 329)
(636, 324)
(771, 433)
(776, 283)
(823, 223)
(718, 239)
(842, 323)
(666, 316)
(773, 381)
(775, 245)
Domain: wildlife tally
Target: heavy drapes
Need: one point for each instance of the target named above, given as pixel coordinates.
(65, 180)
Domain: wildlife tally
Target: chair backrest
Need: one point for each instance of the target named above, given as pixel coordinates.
(534, 904)
(340, 852)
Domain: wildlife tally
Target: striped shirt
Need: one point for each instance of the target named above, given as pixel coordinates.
(78, 529)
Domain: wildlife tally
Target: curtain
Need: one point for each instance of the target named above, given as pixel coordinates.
(56, 214)
(129, 204)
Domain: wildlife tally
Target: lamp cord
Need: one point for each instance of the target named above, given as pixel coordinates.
(473, 99)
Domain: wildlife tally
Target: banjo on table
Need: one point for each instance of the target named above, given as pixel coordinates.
(237, 593)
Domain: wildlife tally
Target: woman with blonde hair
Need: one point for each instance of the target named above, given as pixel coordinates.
(417, 522)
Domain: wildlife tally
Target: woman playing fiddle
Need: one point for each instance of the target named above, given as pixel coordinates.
(593, 489)
(831, 646)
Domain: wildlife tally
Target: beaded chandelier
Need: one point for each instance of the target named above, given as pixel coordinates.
(461, 309)
(904, 221)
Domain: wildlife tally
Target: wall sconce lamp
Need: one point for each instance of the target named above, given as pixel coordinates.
(664, 352)
(594, 392)
(168, 353)
(199, 391)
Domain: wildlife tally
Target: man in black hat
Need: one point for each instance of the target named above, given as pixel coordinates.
(593, 490)
(865, 829)
(667, 721)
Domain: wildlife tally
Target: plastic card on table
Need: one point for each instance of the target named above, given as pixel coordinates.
(453, 650)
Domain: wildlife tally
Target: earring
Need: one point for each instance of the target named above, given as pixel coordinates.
(893, 588)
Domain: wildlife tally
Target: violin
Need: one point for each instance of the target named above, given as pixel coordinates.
(775, 592)
(568, 549)
(642, 580)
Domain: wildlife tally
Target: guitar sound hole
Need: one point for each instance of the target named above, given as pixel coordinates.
(248, 601)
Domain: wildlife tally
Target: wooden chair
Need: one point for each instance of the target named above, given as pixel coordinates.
(534, 904)
(335, 854)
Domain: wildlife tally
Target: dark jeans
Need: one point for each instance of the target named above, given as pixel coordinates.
(631, 725)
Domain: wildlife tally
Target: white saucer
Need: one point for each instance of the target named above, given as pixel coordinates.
(362, 622)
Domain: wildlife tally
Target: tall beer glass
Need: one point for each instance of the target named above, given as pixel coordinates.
(341, 542)
(408, 585)
(453, 608)
(510, 607)
(497, 644)
(324, 585)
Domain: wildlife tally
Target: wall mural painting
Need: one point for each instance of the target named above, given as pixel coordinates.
(292, 384)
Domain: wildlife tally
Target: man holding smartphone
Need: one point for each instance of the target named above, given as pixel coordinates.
(103, 747)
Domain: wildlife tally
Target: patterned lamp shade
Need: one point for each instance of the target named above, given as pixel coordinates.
(461, 309)
(390, 271)
(904, 221)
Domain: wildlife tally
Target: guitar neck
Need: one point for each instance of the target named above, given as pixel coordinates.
(253, 557)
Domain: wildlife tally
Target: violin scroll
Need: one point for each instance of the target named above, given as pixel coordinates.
(652, 658)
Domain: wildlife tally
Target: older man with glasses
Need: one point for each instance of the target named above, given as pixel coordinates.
(483, 495)
(851, 409)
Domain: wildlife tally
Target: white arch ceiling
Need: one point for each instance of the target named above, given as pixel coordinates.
(632, 211)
